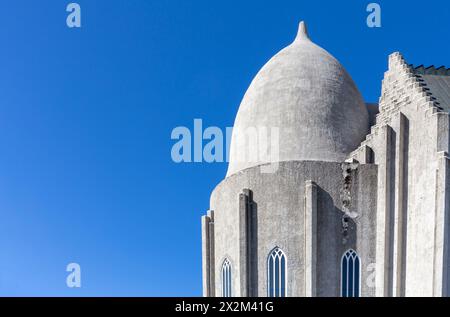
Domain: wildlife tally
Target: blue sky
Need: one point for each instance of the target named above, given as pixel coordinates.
(86, 116)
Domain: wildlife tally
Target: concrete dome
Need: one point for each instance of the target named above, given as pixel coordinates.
(305, 94)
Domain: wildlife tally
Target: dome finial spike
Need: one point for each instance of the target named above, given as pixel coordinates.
(302, 32)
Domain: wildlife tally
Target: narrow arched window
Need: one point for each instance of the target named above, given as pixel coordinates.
(350, 274)
(276, 273)
(226, 278)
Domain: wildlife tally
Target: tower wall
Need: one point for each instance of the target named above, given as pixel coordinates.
(301, 209)
(408, 141)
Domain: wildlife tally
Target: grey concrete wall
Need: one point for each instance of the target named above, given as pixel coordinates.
(408, 135)
(279, 199)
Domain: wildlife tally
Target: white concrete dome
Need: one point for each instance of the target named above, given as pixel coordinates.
(307, 95)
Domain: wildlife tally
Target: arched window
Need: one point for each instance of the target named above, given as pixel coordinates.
(226, 278)
(276, 273)
(350, 274)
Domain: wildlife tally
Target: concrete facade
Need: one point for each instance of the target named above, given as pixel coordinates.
(384, 193)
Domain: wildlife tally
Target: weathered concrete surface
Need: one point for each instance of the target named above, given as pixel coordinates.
(409, 134)
(279, 201)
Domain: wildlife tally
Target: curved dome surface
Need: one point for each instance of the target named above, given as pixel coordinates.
(302, 105)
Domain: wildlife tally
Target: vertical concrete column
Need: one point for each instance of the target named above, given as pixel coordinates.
(400, 216)
(212, 258)
(443, 132)
(247, 245)
(310, 207)
(385, 195)
(208, 266)
(252, 245)
(243, 244)
(367, 155)
(441, 278)
(442, 227)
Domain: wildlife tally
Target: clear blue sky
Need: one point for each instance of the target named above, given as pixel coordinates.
(86, 115)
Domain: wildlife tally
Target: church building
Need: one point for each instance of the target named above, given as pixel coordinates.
(326, 195)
